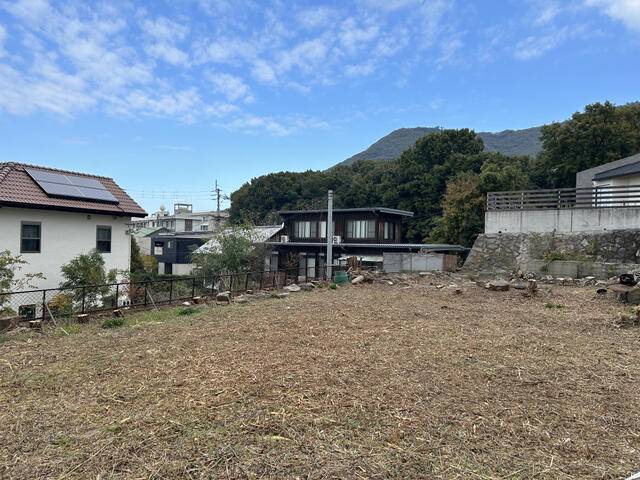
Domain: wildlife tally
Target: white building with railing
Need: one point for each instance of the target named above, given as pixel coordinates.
(606, 198)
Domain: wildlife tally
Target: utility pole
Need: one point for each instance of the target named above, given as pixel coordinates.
(217, 190)
(329, 262)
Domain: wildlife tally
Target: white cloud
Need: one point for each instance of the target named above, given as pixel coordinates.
(167, 52)
(3, 36)
(304, 56)
(162, 28)
(31, 11)
(360, 70)
(544, 12)
(263, 72)
(232, 87)
(225, 50)
(173, 148)
(272, 126)
(316, 17)
(626, 11)
(53, 92)
(131, 61)
(164, 35)
(536, 46)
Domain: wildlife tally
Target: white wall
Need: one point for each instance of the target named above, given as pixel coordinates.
(562, 220)
(624, 181)
(65, 235)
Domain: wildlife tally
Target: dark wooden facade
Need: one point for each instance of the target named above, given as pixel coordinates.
(365, 232)
(340, 220)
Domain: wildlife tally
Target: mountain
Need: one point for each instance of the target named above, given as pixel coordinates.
(508, 142)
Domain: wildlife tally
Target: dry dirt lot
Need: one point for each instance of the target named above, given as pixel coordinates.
(369, 381)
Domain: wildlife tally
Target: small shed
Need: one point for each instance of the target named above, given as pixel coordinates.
(394, 262)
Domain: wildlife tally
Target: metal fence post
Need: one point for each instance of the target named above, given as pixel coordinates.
(193, 287)
(84, 291)
(145, 294)
(44, 304)
(261, 279)
(170, 290)
(117, 291)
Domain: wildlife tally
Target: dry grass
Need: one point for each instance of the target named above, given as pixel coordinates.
(362, 382)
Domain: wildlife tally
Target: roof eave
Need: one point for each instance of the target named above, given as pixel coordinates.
(37, 206)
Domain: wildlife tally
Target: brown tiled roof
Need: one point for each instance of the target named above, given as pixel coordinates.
(18, 189)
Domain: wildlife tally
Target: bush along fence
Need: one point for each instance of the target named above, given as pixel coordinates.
(69, 302)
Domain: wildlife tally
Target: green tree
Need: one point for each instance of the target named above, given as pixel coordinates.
(88, 270)
(601, 134)
(136, 266)
(10, 265)
(422, 172)
(465, 197)
(231, 251)
(463, 211)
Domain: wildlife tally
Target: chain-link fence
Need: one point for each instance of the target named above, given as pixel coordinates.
(70, 302)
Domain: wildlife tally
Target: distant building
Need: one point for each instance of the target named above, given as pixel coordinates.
(606, 198)
(173, 251)
(365, 233)
(621, 173)
(49, 216)
(144, 238)
(183, 220)
(259, 234)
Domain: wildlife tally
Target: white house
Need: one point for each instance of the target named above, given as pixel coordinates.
(606, 198)
(183, 220)
(50, 216)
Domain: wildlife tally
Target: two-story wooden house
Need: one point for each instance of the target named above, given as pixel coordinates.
(363, 232)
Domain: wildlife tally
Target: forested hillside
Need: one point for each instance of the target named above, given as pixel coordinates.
(444, 177)
(508, 142)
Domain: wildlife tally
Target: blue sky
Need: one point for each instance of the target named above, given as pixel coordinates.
(168, 96)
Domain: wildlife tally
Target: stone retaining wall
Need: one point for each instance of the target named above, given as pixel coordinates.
(510, 252)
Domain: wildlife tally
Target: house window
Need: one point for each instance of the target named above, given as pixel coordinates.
(389, 231)
(361, 229)
(305, 229)
(323, 228)
(204, 227)
(188, 225)
(103, 239)
(30, 237)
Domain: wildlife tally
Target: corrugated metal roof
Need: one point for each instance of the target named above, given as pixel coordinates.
(18, 189)
(257, 234)
(147, 231)
(392, 211)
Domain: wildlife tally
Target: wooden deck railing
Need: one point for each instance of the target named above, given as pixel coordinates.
(596, 197)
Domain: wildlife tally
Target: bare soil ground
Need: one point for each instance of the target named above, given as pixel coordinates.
(367, 381)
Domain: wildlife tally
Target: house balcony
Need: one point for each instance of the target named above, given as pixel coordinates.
(564, 210)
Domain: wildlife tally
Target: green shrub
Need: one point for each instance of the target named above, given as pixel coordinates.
(61, 305)
(68, 328)
(113, 322)
(188, 311)
(333, 286)
(553, 305)
(555, 255)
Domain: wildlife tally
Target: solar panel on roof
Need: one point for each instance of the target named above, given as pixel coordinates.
(71, 186)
